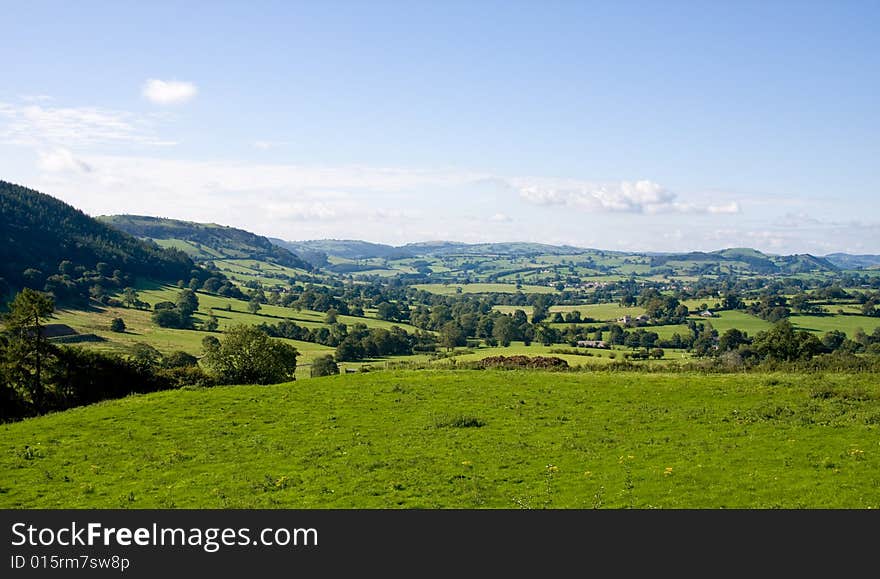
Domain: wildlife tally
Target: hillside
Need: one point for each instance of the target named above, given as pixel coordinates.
(511, 249)
(48, 244)
(489, 262)
(205, 241)
(848, 261)
(462, 439)
(345, 248)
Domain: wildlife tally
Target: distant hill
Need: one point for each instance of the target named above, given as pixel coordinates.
(739, 259)
(48, 244)
(345, 248)
(513, 249)
(748, 259)
(205, 241)
(848, 261)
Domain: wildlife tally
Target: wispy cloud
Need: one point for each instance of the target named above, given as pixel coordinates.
(169, 92)
(61, 160)
(49, 127)
(621, 197)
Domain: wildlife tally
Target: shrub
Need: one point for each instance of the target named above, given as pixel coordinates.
(549, 362)
(324, 366)
(248, 355)
(117, 325)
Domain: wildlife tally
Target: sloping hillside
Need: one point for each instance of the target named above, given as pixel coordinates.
(205, 241)
(847, 261)
(46, 243)
(345, 248)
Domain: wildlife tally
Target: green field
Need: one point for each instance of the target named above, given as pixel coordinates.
(462, 439)
(140, 328)
(735, 319)
(589, 356)
(600, 312)
(847, 323)
(482, 288)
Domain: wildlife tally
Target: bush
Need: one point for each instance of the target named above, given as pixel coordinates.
(117, 325)
(548, 362)
(248, 355)
(179, 359)
(324, 366)
(167, 318)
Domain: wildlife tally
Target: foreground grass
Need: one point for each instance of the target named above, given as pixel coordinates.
(466, 439)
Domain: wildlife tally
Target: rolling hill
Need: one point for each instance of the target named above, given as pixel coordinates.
(48, 244)
(205, 241)
(848, 261)
(344, 248)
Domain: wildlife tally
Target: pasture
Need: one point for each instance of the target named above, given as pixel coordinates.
(462, 439)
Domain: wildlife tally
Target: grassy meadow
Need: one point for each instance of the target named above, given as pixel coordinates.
(140, 328)
(462, 439)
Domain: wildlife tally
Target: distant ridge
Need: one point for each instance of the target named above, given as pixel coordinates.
(319, 250)
(205, 241)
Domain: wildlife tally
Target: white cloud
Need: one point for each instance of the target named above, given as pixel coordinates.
(724, 208)
(621, 197)
(500, 218)
(60, 160)
(169, 92)
(50, 127)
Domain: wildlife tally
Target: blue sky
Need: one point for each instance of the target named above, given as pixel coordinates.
(659, 126)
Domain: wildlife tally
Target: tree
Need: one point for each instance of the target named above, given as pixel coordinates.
(387, 311)
(179, 359)
(28, 345)
(187, 303)
(782, 342)
(210, 343)
(330, 317)
(732, 301)
(167, 318)
(452, 335)
(247, 355)
(731, 340)
(539, 312)
(833, 340)
(117, 325)
(130, 297)
(504, 330)
(324, 366)
(349, 349)
(254, 306)
(211, 324)
(144, 355)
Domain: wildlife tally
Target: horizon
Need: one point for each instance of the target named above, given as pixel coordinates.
(687, 126)
(458, 242)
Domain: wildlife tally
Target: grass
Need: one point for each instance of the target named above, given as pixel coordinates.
(477, 288)
(462, 439)
(600, 312)
(536, 349)
(847, 323)
(735, 319)
(139, 327)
